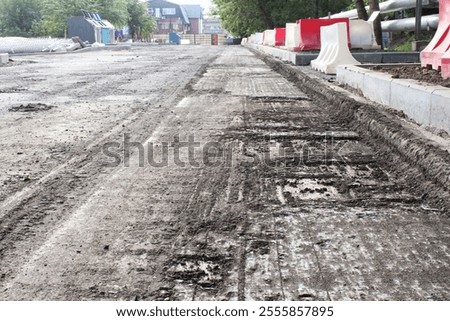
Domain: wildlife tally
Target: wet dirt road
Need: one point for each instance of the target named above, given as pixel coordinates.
(264, 195)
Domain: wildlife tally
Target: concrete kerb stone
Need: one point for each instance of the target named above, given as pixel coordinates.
(377, 87)
(351, 76)
(401, 57)
(281, 54)
(373, 85)
(413, 99)
(427, 105)
(440, 109)
(4, 58)
(369, 57)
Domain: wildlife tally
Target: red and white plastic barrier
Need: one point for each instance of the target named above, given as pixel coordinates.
(280, 36)
(309, 32)
(445, 65)
(334, 51)
(437, 54)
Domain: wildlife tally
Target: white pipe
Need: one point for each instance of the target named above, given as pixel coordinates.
(385, 7)
(409, 24)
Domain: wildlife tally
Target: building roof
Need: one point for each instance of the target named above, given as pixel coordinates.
(185, 15)
(194, 11)
(162, 4)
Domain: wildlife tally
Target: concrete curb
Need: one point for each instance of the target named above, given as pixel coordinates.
(4, 58)
(285, 55)
(427, 105)
(305, 58)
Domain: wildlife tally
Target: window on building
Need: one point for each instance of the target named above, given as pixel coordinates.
(169, 11)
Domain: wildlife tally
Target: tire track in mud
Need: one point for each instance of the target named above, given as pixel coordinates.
(28, 215)
(426, 163)
(348, 177)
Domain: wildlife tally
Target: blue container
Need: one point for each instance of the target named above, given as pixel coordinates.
(106, 35)
(174, 38)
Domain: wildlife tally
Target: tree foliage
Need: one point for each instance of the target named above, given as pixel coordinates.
(17, 17)
(56, 12)
(244, 17)
(49, 17)
(141, 23)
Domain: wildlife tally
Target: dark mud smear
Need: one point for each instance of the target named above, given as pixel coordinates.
(31, 108)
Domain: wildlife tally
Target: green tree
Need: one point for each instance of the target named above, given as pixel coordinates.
(140, 22)
(17, 17)
(244, 17)
(240, 17)
(115, 11)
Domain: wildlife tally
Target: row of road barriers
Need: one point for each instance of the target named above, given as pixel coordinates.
(314, 34)
(304, 34)
(308, 34)
(331, 36)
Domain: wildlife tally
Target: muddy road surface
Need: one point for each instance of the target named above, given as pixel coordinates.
(200, 173)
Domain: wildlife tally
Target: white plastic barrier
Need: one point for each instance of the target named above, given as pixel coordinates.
(334, 49)
(4, 58)
(362, 35)
(269, 38)
(258, 38)
(244, 41)
(292, 36)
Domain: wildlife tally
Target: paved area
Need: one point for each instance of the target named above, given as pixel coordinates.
(242, 187)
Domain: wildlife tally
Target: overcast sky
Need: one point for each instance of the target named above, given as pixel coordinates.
(206, 4)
